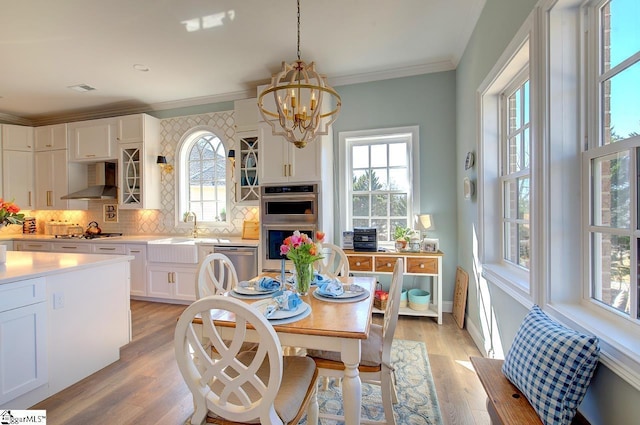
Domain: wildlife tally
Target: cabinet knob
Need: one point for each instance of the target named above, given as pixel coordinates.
(357, 263)
(388, 264)
(422, 266)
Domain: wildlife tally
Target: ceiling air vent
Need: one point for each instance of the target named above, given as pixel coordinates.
(82, 88)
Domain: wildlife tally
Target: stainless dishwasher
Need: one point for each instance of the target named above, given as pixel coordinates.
(244, 259)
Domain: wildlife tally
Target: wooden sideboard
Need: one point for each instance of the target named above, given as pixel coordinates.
(415, 264)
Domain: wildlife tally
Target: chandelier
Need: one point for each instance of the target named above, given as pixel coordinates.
(302, 105)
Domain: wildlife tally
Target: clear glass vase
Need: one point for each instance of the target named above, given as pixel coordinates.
(304, 275)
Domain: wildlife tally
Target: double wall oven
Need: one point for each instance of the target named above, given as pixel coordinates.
(285, 209)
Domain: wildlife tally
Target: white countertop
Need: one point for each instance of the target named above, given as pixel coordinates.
(143, 239)
(27, 265)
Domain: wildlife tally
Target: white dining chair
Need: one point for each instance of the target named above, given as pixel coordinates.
(216, 275)
(242, 386)
(333, 263)
(375, 363)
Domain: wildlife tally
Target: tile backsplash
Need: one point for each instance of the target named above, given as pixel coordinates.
(163, 221)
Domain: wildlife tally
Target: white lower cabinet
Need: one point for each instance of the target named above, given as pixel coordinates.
(138, 269)
(23, 338)
(72, 247)
(32, 246)
(171, 282)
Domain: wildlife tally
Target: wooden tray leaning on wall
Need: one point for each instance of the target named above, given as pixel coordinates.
(460, 296)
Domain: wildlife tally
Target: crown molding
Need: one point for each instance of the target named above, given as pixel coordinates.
(12, 119)
(137, 108)
(204, 100)
(408, 71)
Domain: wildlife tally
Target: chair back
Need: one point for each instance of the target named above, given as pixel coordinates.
(392, 309)
(216, 274)
(230, 386)
(334, 261)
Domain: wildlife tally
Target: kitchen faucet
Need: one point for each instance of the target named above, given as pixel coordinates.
(191, 216)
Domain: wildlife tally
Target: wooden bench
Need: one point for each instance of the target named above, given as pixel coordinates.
(505, 403)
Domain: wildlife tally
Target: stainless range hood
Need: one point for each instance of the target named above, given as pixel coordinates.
(105, 187)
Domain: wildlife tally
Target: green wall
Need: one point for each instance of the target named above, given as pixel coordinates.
(429, 102)
(610, 400)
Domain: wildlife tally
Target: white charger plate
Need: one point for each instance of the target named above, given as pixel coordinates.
(345, 294)
(254, 296)
(281, 314)
(253, 290)
(359, 297)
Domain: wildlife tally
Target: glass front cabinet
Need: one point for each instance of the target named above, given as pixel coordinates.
(247, 179)
(139, 187)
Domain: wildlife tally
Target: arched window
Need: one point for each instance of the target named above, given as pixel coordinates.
(203, 177)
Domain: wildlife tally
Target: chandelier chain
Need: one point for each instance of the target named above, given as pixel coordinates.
(298, 29)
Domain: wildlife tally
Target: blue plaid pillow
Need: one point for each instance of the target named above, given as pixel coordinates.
(552, 366)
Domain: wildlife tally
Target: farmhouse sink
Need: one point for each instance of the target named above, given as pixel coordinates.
(173, 250)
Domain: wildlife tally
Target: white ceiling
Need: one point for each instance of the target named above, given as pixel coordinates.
(200, 52)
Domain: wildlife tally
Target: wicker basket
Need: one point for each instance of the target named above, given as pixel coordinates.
(380, 298)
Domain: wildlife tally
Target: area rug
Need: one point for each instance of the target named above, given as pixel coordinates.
(417, 400)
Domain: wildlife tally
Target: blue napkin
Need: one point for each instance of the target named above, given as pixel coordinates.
(333, 288)
(319, 279)
(266, 283)
(283, 300)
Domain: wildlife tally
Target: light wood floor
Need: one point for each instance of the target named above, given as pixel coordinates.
(145, 387)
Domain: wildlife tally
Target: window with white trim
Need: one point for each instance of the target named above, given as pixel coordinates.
(203, 171)
(515, 176)
(379, 184)
(612, 156)
(506, 171)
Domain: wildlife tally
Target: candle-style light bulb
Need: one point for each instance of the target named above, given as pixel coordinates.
(293, 98)
(313, 100)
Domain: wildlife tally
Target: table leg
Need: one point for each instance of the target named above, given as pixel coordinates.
(351, 385)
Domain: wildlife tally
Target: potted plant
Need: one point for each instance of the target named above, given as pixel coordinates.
(402, 235)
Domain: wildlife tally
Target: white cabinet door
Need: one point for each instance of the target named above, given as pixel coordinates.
(246, 114)
(246, 169)
(160, 280)
(139, 176)
(17, 178)
(131, 128)
(185, 284)
(172, 282)
(138, 269)
(305, 162)
(282, 162)
(23, 350)
(93, 140)
(17, 137)
(51, 137)
(274, 156)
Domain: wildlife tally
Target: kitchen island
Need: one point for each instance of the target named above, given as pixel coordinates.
(62, 317)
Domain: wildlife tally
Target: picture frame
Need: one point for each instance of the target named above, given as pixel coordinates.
(430, 245)
(110, 213)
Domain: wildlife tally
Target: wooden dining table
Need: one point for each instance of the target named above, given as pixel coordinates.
(334, 326)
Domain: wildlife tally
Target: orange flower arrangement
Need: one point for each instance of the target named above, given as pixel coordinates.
(9, 213)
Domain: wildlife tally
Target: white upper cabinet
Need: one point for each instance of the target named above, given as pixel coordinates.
(17, 137)
(93, 140)
(246, 115)
(282, 162)
(139, 186)
(131, 128)
(16, 175)
(56, 177)
(51, 137)
(17, 178)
